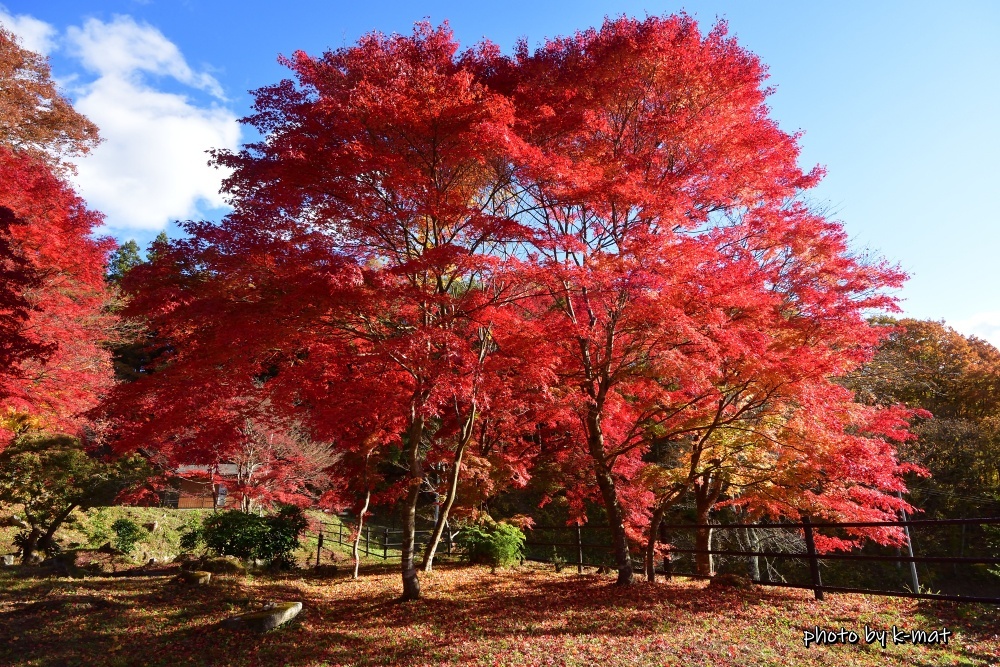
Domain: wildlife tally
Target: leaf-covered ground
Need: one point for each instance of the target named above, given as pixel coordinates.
(526, 616)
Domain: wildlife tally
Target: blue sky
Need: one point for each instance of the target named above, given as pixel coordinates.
(898, 100)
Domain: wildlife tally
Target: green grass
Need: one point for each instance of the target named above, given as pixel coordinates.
(92, 528)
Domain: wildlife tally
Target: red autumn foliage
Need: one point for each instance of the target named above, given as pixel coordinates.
(53, 295)
(688, 293)
(599, 245)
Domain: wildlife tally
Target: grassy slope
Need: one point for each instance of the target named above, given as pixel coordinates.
(526, 616)
(92, 528)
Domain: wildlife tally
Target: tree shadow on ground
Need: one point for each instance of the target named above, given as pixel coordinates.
(466, 612)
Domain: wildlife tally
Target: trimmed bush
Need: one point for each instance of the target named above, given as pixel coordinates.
(190, 539)
(250, 537)
(127, 534)
(492, 543)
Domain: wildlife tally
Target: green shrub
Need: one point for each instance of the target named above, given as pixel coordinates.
(127, 534)
(191, 535)
(495, 544)
(191, 538)
(98, 530)
(251, 537)
(558, 560)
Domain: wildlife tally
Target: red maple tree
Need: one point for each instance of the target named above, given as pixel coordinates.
(437, 257)
(359, 279)
(686, 287)
(54, 322)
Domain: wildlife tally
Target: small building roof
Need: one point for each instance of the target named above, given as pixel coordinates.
(225, 469)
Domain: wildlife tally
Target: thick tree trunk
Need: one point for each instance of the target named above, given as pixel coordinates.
(355, 548)
(411, 584)
(30, 545)
(616, 519)
(609, 493)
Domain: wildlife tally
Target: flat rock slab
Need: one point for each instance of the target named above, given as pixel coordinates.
(222, 565)
(266, 619)
(196, 577)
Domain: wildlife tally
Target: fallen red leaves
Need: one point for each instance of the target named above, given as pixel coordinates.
(526, 616)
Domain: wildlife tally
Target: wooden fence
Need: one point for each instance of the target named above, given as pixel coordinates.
(814, 558)
(376, 541)
(385, 543)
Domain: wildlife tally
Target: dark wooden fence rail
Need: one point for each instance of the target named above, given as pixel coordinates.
(376, 541)
(381, 542)
(808, 528)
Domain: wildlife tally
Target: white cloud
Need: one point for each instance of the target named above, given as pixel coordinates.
(35, 35)
(124, 49)
(152, 166)
(985, 325)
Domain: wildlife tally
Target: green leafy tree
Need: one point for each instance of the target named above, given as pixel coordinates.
(157, 246)
(123, 260)
(52, 475)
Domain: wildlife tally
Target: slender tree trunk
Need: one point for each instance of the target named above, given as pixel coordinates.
(706, 495)
(449, 500)
(46, 542)
(355, 550)
(753, 563)
(704, 564)
(411, 584)
(654, 528)
(442, 519)
(651, 539)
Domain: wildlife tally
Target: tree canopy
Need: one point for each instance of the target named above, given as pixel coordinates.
(55, 325)
(597, 251)
(35, 118)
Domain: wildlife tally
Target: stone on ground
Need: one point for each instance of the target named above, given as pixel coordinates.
(195, 577)
(268, 618)
(223, 565)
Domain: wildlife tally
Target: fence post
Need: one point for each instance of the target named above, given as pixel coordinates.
(449, 541)
(368, 540)
(668, 566)
(813, 562)
(579, 550)
(340, 532)
(319, 547)
(385, 544)
(909, 549)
